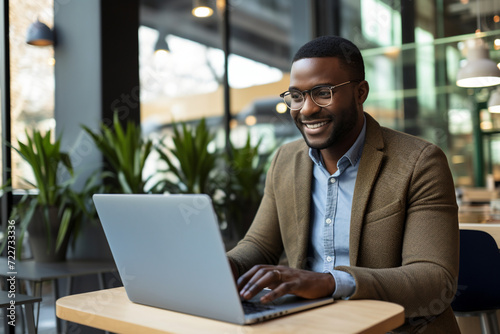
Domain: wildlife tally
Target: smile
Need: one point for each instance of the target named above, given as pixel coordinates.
(315, 125)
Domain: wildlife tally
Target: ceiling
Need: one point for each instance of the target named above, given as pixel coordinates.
(463, 15)
(261, 29)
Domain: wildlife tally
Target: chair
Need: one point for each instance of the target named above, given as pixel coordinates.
(27, 302)
(478, 292)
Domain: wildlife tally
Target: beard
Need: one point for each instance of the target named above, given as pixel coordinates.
(342, 122)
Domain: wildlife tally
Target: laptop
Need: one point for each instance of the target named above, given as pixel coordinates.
(170, 254)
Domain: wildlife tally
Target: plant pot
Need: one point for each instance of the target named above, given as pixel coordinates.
(91, 243)
(42, 250)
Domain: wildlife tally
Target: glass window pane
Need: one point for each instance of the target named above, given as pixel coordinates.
(32, 79)
(186, 83)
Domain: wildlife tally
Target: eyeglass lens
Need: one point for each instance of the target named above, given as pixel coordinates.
(322, 96)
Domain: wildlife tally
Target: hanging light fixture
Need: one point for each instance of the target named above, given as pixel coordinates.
(39, 34)
(202, 8)
(161, 44)
(479, 70)
(494, 101)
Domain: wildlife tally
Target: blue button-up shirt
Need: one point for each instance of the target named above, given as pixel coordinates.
(331, 215)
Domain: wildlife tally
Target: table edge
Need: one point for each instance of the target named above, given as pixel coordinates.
(123, 326)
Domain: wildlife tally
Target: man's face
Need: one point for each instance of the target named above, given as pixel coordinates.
(341, 121)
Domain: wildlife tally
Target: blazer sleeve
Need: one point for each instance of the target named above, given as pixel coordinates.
(262, 243)
(422, 235)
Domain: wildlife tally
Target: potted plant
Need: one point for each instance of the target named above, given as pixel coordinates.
(234, 179)
(247, 168)
(54, 210)
(125, 152)
(189, 161)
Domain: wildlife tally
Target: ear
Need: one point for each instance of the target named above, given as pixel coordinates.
(362, 90)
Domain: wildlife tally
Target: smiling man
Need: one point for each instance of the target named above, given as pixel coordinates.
(361, 211)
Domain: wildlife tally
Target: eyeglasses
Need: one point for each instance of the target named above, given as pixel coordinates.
(322, 95)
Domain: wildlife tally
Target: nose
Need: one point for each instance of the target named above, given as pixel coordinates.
(309, 107)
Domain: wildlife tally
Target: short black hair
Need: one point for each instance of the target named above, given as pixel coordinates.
(334, 46)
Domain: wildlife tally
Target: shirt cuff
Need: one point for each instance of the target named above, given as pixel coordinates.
(345, 285)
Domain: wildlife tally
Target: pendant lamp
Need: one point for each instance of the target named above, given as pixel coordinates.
(39, 34)
(161, 43)
(494, 101)
(202, 8)
(480, 70)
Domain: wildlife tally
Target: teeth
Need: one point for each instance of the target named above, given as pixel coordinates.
(315, 125)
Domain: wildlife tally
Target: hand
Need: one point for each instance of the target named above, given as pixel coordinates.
(282, 280)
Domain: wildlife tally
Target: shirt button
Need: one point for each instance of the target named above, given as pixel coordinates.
(328, 221)
(333, 180)
(329, 259)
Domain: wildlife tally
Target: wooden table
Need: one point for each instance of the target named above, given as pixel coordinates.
(477, 214)
(111, 310)
(39, 272)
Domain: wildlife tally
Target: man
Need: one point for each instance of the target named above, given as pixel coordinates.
(361, 211)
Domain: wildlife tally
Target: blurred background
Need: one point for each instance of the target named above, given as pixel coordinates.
(158, 63)
(413, 51)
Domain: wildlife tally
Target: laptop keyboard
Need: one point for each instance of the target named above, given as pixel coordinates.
(252, 307)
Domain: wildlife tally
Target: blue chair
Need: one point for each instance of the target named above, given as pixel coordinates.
(478, 292)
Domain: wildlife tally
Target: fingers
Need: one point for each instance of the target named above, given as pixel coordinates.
(243, 279)
(258, 278)
(278, 291)
(277, 272)
(283, 280)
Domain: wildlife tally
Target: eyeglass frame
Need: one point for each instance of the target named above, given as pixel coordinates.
(308, 91)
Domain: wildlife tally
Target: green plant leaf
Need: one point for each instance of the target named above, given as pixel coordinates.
(47, 162)
(125, 153)
(189, 159)
(64, 227)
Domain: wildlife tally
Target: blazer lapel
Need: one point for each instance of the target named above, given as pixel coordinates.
(369, 167)
(302, 199)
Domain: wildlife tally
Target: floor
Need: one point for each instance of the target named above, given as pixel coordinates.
(47, 318)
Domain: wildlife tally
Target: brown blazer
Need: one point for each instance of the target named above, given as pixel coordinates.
(404, 225)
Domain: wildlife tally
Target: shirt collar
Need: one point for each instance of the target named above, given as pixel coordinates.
(352, 156)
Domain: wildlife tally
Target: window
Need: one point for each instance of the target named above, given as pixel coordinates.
(185, 83)
(32, 78)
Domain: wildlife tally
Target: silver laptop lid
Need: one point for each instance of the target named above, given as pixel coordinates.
(167, 249)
